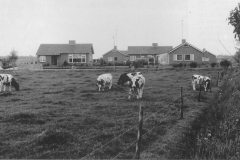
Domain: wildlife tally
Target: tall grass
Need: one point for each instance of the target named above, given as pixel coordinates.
(216, 133)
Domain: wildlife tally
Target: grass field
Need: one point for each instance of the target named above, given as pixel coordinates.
(61, 114)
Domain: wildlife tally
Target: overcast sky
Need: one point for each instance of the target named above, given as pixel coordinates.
(25, 24)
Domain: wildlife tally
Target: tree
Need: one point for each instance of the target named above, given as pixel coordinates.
(13, 57)
(234, 20)
(237, 56)
(225, 64)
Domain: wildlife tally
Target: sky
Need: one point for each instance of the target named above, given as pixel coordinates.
(25, 24)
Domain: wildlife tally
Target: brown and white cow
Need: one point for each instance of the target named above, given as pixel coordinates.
(202, 80)
(7, 80)
(104, 79)
(137, 83)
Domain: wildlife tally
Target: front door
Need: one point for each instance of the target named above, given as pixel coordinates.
(54, 60)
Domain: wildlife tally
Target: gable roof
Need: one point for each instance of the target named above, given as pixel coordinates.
(183, 45)
(206, 51)
(125, 53)
(57, 49)
(148, 49)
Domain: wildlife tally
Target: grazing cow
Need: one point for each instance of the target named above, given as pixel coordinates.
(104, 79)
(126, 77)
(7, 80)
(202, 80)
(137, 83)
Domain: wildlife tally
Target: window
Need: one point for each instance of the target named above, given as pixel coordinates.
(42, 58)
(187, 57)
(115, 58)
(142, 56)
(150, 56)
(179, 57)
(205, 59)
(110, 58)
(132, 58)
(77, 58)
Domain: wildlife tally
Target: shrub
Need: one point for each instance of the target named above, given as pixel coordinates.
(179, 65)
(213, 64)
(225, 63)
(45, 64)
(65, 63)
(193, 64)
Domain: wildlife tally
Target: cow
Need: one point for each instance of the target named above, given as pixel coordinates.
(202, 80)
(126, 77)
(7, 80)
(137, 83)
(104, 79)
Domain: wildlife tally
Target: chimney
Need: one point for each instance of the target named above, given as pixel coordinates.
(72, 42)
(183, 41)
(154, 44)
(115, 47)
(204, 50)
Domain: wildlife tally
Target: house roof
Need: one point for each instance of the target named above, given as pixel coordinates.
(57, 49)
(125, 53)
(206, 51)
(183, 45)
(148, 49)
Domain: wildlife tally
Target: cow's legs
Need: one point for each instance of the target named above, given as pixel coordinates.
(0, 87)
(110, 85)
(130, 93)
(4, 87)
(141, 92)
(193, 84)
(138, 93)
(10, 87)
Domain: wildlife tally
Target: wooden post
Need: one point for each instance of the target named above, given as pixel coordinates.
(217, 79)
(181, 105)
(199, 96)
(210, 84)
(139, 136)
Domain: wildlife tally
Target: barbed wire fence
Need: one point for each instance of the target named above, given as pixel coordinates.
(151, 122)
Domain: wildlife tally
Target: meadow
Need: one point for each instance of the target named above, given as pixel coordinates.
(61, 113)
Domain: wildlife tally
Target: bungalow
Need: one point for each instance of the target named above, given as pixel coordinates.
(115, 55)
(186, 53)
(147, 52)
(57, 54)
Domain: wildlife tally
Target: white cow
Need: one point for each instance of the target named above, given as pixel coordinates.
(104, 79)
(202, 80)
(137, 83)
(7, 80)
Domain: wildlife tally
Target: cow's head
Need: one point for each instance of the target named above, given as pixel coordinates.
(136, 82)
(100, 83)
(15, 84)
(207, 83)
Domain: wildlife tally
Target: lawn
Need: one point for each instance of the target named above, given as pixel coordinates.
(61, 113)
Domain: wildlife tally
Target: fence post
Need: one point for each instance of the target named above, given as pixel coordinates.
(217, 79)
(139, 136)
(210, 84)
(199, 95)
(181, 105)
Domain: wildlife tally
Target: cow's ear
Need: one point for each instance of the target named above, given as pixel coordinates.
(102, 81)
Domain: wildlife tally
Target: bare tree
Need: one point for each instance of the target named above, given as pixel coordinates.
(13, 57)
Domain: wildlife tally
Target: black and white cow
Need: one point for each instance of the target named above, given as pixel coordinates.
(202, 80)
(137, 83)
(104, 79)
(126, 77)
(7, 80)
